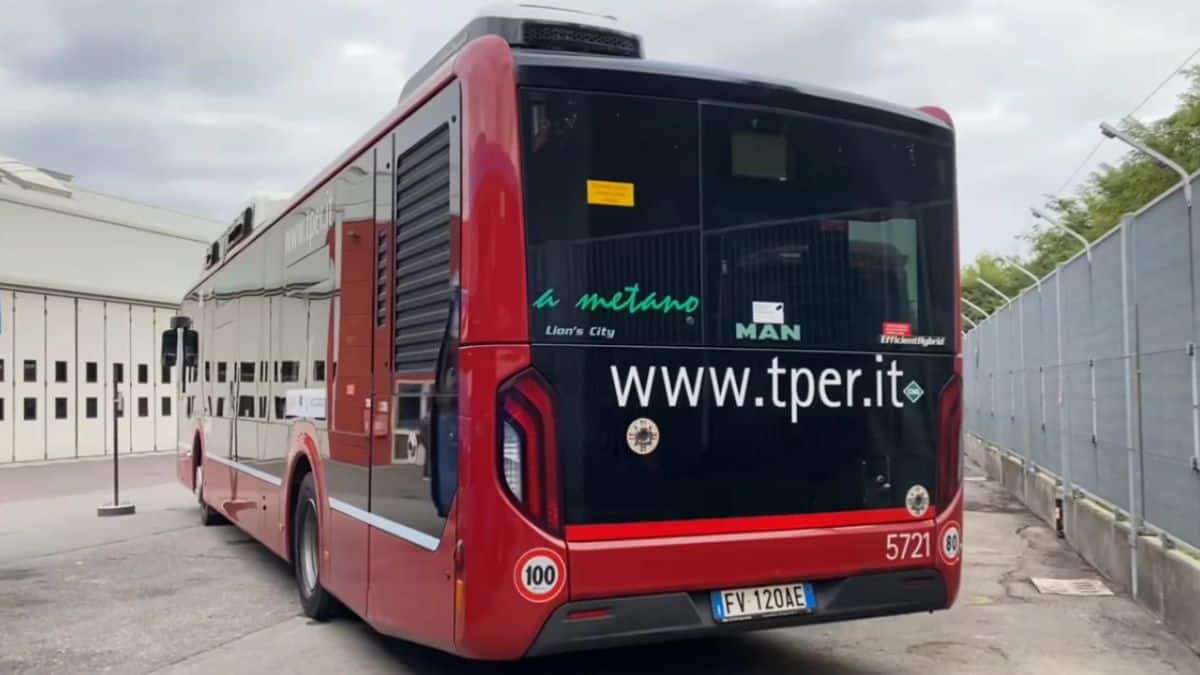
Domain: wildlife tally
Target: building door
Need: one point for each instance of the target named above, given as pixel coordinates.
(144, 346)
(62, 408)
(8, 408)
(116, 373)
(91, 423)
(29, 347)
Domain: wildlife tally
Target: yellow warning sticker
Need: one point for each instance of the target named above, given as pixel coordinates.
(609, 193)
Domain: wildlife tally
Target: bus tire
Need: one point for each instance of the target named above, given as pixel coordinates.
(208, 515)
(317, 602)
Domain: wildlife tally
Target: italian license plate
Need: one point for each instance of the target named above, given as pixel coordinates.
(762, 601)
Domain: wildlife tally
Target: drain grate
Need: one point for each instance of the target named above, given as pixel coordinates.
(1077, 587)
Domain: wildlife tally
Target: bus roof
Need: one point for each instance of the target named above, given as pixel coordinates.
(527, 60)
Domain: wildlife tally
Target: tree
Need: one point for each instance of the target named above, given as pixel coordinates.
(1105, 197)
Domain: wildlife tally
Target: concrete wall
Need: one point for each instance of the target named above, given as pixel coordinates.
(1168, 579)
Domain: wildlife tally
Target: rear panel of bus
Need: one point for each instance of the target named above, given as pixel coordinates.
(742, 354)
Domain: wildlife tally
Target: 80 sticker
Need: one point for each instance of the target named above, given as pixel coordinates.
(951, 543)
(539, 575)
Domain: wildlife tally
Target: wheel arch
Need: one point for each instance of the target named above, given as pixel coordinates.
(305, 459)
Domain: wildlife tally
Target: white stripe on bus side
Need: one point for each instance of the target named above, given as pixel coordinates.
(248, 470)
(390, 526)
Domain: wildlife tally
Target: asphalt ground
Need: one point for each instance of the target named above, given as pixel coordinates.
(158, 593)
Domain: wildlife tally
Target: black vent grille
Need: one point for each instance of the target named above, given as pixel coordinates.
(381, 279)
(422, 252)
(579, 39)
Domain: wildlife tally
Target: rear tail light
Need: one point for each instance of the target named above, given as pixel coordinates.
(949, 452)
(528, 449)
(511, 449)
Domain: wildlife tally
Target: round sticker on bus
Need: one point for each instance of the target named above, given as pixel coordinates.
(951, 547)
(540, 575)
(917, 501)
(642, 436)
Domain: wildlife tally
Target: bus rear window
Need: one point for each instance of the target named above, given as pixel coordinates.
(666, 222)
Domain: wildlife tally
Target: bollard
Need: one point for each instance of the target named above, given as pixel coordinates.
(116, 507)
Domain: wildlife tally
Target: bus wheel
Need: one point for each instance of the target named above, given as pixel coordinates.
(208, 515)
(306, 554)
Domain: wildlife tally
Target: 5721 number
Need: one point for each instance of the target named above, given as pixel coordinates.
(907, 546)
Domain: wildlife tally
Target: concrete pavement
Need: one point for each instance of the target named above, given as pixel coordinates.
(157, 593)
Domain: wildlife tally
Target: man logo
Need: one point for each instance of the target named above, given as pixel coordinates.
(768, 332)
(642, 436)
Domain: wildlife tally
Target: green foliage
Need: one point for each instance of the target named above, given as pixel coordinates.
(1097, 208)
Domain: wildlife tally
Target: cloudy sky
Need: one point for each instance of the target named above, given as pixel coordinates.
(198, 105)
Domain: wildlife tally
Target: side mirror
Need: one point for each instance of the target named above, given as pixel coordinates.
(191, 348)
(170, 344)
(170, 352)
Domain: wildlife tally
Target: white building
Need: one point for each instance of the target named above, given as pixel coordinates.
(87, 283)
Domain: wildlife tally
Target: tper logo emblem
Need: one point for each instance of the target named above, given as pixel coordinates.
(917, 501)
(642, 436)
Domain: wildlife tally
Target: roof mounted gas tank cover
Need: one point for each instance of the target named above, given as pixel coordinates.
(535, 26)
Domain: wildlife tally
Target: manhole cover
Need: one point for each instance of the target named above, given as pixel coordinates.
(1070, 586)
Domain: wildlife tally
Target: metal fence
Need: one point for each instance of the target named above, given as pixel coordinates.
(1092, 375)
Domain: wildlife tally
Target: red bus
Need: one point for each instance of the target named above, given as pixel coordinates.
(577, 349)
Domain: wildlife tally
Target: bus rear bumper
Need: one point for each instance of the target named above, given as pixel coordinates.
(594, 624)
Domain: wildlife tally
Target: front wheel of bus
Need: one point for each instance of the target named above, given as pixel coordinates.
(306, 554)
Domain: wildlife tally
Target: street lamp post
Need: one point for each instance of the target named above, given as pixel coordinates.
(1087, 245)
(976, 307)
(1162, 160)
(997, 291)
(1017, 266)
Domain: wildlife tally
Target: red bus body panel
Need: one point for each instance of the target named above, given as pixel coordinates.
(605, 569)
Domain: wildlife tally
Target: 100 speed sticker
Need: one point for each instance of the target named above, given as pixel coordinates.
(540, 575)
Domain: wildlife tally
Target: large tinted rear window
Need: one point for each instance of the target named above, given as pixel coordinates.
(666, 222)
